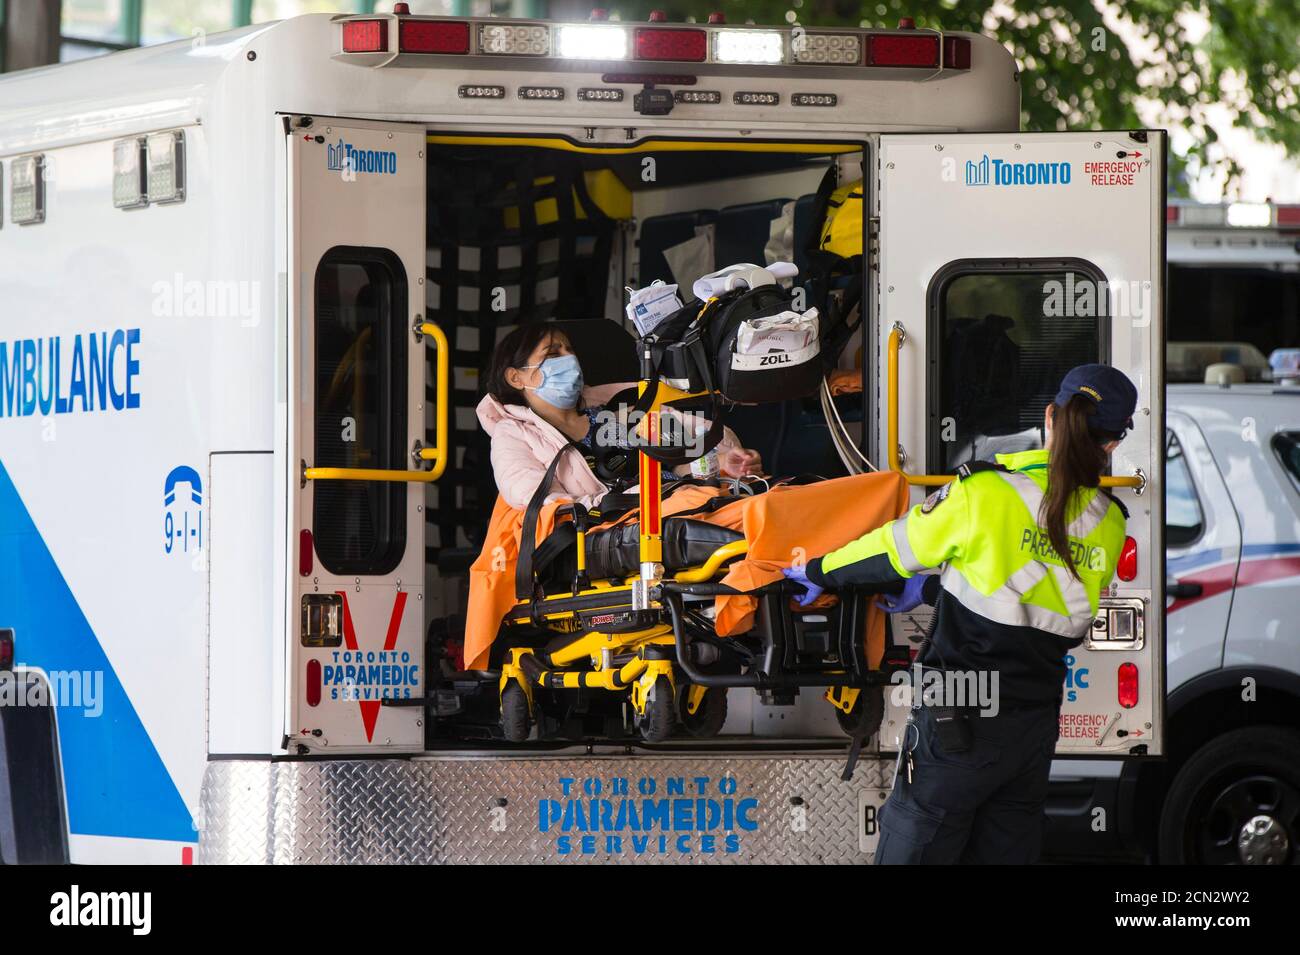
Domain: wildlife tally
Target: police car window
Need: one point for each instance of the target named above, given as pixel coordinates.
(1286, 445)
(1183, 518)
(360, 420)
(1006, 333)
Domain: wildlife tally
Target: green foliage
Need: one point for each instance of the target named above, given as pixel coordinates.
(1082, 72)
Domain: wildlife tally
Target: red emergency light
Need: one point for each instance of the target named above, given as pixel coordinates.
(433, 36)
(1127, 685)
(1288, 217)
(313, 685)
(890, 49)
(365, 36)
(6, 649)
(688, 46)
(1126, 568)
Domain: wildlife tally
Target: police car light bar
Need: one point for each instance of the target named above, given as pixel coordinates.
(600, 41)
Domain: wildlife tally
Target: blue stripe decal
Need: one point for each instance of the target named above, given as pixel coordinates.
(116, 782)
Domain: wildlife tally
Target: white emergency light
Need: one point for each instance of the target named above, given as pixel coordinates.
(1203, 215)
(581, 41)
(841, 49)
(512, 39)
(130, 187)
(27, 190)
(166, 154)
(748, 46)
(1250, 215)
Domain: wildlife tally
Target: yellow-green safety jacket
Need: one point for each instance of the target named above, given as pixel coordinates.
(1005, 600)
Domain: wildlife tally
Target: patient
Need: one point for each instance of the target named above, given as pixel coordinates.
(536, 401)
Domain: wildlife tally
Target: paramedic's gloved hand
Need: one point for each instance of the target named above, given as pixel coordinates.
(799, 575)
(739, 462)
(913, 595)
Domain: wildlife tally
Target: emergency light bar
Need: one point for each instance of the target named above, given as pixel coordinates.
(1235, 215)
(601, 41)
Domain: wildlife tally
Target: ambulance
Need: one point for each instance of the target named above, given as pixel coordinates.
(250, 284)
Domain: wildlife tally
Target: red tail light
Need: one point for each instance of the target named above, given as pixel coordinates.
(956, 53)
(889, 49)
(313, 683)
(1128, 685)
(1288, 217)
(1127, 566)
(432, 36)
(304, 553)
(689, 46)
(365, 36)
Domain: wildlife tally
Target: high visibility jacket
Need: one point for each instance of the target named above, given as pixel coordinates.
(1005, 601)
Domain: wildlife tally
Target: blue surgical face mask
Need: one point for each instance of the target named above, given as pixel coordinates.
(561, 381)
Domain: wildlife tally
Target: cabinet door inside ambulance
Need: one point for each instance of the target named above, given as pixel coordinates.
(356, 541)
(1005, 260)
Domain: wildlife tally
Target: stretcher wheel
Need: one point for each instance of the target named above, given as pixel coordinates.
(515, 717)
(656, 723)
(707, 720)
(864, 719)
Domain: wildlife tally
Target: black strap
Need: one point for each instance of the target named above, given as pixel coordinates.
(524, 584)
(1117, 502)
(975, 467)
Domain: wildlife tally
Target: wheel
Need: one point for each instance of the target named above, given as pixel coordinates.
(706, 722)
(516, 720)
(1236, 802)
(656, 723)
(864, 719)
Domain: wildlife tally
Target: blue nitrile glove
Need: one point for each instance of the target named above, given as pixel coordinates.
(913, 595)
(799, 575)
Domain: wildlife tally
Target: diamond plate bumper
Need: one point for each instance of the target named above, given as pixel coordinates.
(680, 809)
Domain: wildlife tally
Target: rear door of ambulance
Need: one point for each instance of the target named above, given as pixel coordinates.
(1006, 259)
(356, 194)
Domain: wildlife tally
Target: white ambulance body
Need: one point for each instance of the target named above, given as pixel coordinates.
(183, 227)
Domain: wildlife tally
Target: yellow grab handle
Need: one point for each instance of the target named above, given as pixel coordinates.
(438, 453)
(896, 336)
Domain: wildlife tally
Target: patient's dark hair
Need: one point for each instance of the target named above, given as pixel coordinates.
(513, 351)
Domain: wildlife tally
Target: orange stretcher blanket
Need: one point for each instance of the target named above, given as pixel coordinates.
(786, 525)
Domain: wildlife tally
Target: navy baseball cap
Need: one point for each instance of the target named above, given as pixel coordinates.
(1110, 391)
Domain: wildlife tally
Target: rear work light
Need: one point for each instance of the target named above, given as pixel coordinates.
(956, 53)
(889, 49)
(508, 39)
(832, 49)
(1127, 685)
(748, 46)
(1127, 566)
(689, 46)
(583, 42)
(432, 36)
(365, 36)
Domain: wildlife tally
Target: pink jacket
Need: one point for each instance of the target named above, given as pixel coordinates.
(523, 446)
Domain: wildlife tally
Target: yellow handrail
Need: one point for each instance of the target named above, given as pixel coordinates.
(437, 454)
(891, 428)
(710, 567)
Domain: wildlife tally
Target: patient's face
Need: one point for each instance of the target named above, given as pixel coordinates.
(531, 377)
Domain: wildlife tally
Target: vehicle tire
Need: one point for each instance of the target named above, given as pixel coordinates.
(516, 720)
(864, 719)
(656, 723)
(1236, 801)
(706, 722)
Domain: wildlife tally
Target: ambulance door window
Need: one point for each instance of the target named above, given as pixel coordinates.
(360, 421)
(1002, 337)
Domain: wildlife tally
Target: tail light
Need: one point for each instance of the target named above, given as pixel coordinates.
(313, 686)
(889, 49)
(687, 46)
(432, 36)
(1127, 685)
(1127, 567)
(365, 36)
(304, 553)
(956, 53)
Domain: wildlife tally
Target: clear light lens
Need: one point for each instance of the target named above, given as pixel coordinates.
(830, 48)
(1203, 215)
(747, 46)
(585, 42)
(166, 166)
(27, 190)
(1250, 215)
(514, 40)
(129, 187)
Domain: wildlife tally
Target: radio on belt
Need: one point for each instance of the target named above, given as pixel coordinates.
(653, 102)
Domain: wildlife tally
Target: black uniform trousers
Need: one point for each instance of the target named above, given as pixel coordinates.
(983, 806)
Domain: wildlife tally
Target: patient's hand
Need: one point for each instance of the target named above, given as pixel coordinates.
(740, 462)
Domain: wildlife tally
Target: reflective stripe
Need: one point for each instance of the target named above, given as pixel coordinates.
(906, 556)
(1027, 488)
(1091, 518)
(1026, 578)
(1003, 607)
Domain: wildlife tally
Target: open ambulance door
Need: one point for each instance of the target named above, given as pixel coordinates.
(357, 423)
(1005, 260)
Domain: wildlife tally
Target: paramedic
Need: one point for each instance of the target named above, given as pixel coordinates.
(1026, 547)
(536, 402)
